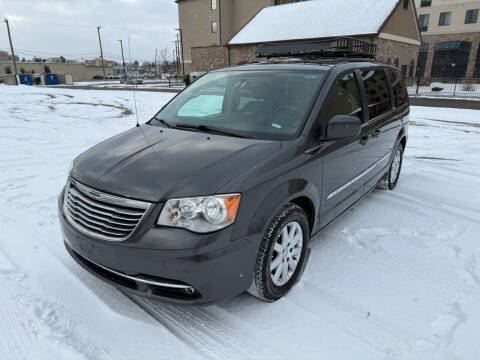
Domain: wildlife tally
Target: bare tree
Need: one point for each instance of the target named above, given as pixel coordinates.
(163, 59)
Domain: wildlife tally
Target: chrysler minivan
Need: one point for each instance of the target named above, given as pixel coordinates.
(222, 190)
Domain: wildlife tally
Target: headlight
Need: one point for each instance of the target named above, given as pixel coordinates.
(200, 214)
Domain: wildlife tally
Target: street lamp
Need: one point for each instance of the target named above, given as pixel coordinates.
(181, 52)
(123, 63)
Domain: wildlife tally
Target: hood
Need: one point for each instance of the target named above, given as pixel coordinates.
(154, 164)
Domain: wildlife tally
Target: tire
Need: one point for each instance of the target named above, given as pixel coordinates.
(270, 285)
(395, 167)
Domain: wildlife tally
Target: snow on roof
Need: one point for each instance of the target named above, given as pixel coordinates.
(315, 19)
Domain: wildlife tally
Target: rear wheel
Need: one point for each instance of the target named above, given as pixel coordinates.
(395, 167)
(281, 255)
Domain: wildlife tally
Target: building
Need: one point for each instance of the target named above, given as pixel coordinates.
(220, 33)
(451, 36)
(215, 22)
(79, 71)
(4, 56)
(98, 62)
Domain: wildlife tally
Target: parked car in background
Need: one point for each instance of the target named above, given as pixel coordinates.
(132, 81)
(222, 190)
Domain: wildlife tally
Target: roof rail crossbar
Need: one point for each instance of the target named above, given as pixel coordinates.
(337, 47)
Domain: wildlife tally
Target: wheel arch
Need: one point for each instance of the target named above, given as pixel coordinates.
(298, 191)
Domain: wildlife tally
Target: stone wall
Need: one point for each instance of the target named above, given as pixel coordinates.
(473, 37)
(389, 50)
(214, 57)
(239, 53)
(207, 58)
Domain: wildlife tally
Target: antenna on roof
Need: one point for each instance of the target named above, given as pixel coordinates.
(134, 82)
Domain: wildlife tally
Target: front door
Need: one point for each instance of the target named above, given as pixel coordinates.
(344, 160)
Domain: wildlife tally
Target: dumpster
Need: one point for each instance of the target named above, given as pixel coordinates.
(65, 79)
(10, 79)
(51, 79)
(25, 79)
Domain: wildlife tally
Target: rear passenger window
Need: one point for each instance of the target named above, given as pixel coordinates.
(377, 92)
(344, 98)
(399, 91)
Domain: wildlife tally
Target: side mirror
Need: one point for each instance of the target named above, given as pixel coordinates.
(343, 127)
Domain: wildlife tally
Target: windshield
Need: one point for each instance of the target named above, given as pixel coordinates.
(268, 104)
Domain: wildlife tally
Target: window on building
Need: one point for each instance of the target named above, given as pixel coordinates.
(471, 16)
(214, 26)
(476, 70)
(396, 63)
(422, 60)
(423, 21)
(404, 72)
(411, 68)
(214, 4)
(444, 18)
(425, 3)
(344, 99)
(399, 93)
(405, 4)
(450, 59)
(377, 92)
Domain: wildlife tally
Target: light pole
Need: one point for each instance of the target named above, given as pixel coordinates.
(123, 63)
(101, 51)
(181, 51)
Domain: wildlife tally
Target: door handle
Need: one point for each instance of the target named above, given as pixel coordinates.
(376, 133)
(364, 140)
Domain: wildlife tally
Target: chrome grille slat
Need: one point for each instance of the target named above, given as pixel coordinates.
(88, 219)
(77, 194)
(95, 227)
(106, 217)
(102, 215)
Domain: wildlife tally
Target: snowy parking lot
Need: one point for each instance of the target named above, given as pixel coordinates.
(398, 277)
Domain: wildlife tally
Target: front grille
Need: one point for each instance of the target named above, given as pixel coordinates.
(102, 215)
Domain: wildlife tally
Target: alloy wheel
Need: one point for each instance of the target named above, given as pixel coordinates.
(395, 169)
(287, 250)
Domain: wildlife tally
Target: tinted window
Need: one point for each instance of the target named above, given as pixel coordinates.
(399, 91)
(377, 92)
(344, 98)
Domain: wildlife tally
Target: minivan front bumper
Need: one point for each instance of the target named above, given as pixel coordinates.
(173, 265)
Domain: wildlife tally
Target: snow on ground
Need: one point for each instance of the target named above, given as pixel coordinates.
(398, 277)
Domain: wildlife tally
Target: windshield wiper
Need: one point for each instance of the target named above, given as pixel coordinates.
(165, 123)
(205, 128)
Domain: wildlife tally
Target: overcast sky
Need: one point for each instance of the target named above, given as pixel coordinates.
(49, 28)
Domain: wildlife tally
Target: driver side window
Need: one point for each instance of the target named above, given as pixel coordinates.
(344, 98)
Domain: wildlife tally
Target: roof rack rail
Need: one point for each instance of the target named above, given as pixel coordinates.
(337, 47)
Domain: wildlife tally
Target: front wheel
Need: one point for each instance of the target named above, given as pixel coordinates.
(281, 255)
(395, 167)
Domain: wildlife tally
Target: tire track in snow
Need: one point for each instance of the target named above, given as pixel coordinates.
(16, 342)
(370, 329)
(197, 328)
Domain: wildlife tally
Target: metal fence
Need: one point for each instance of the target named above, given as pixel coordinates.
(464, 87)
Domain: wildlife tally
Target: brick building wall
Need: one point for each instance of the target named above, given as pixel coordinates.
(389, 50)
(207, 58)
(214, 57)
(431, 40)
